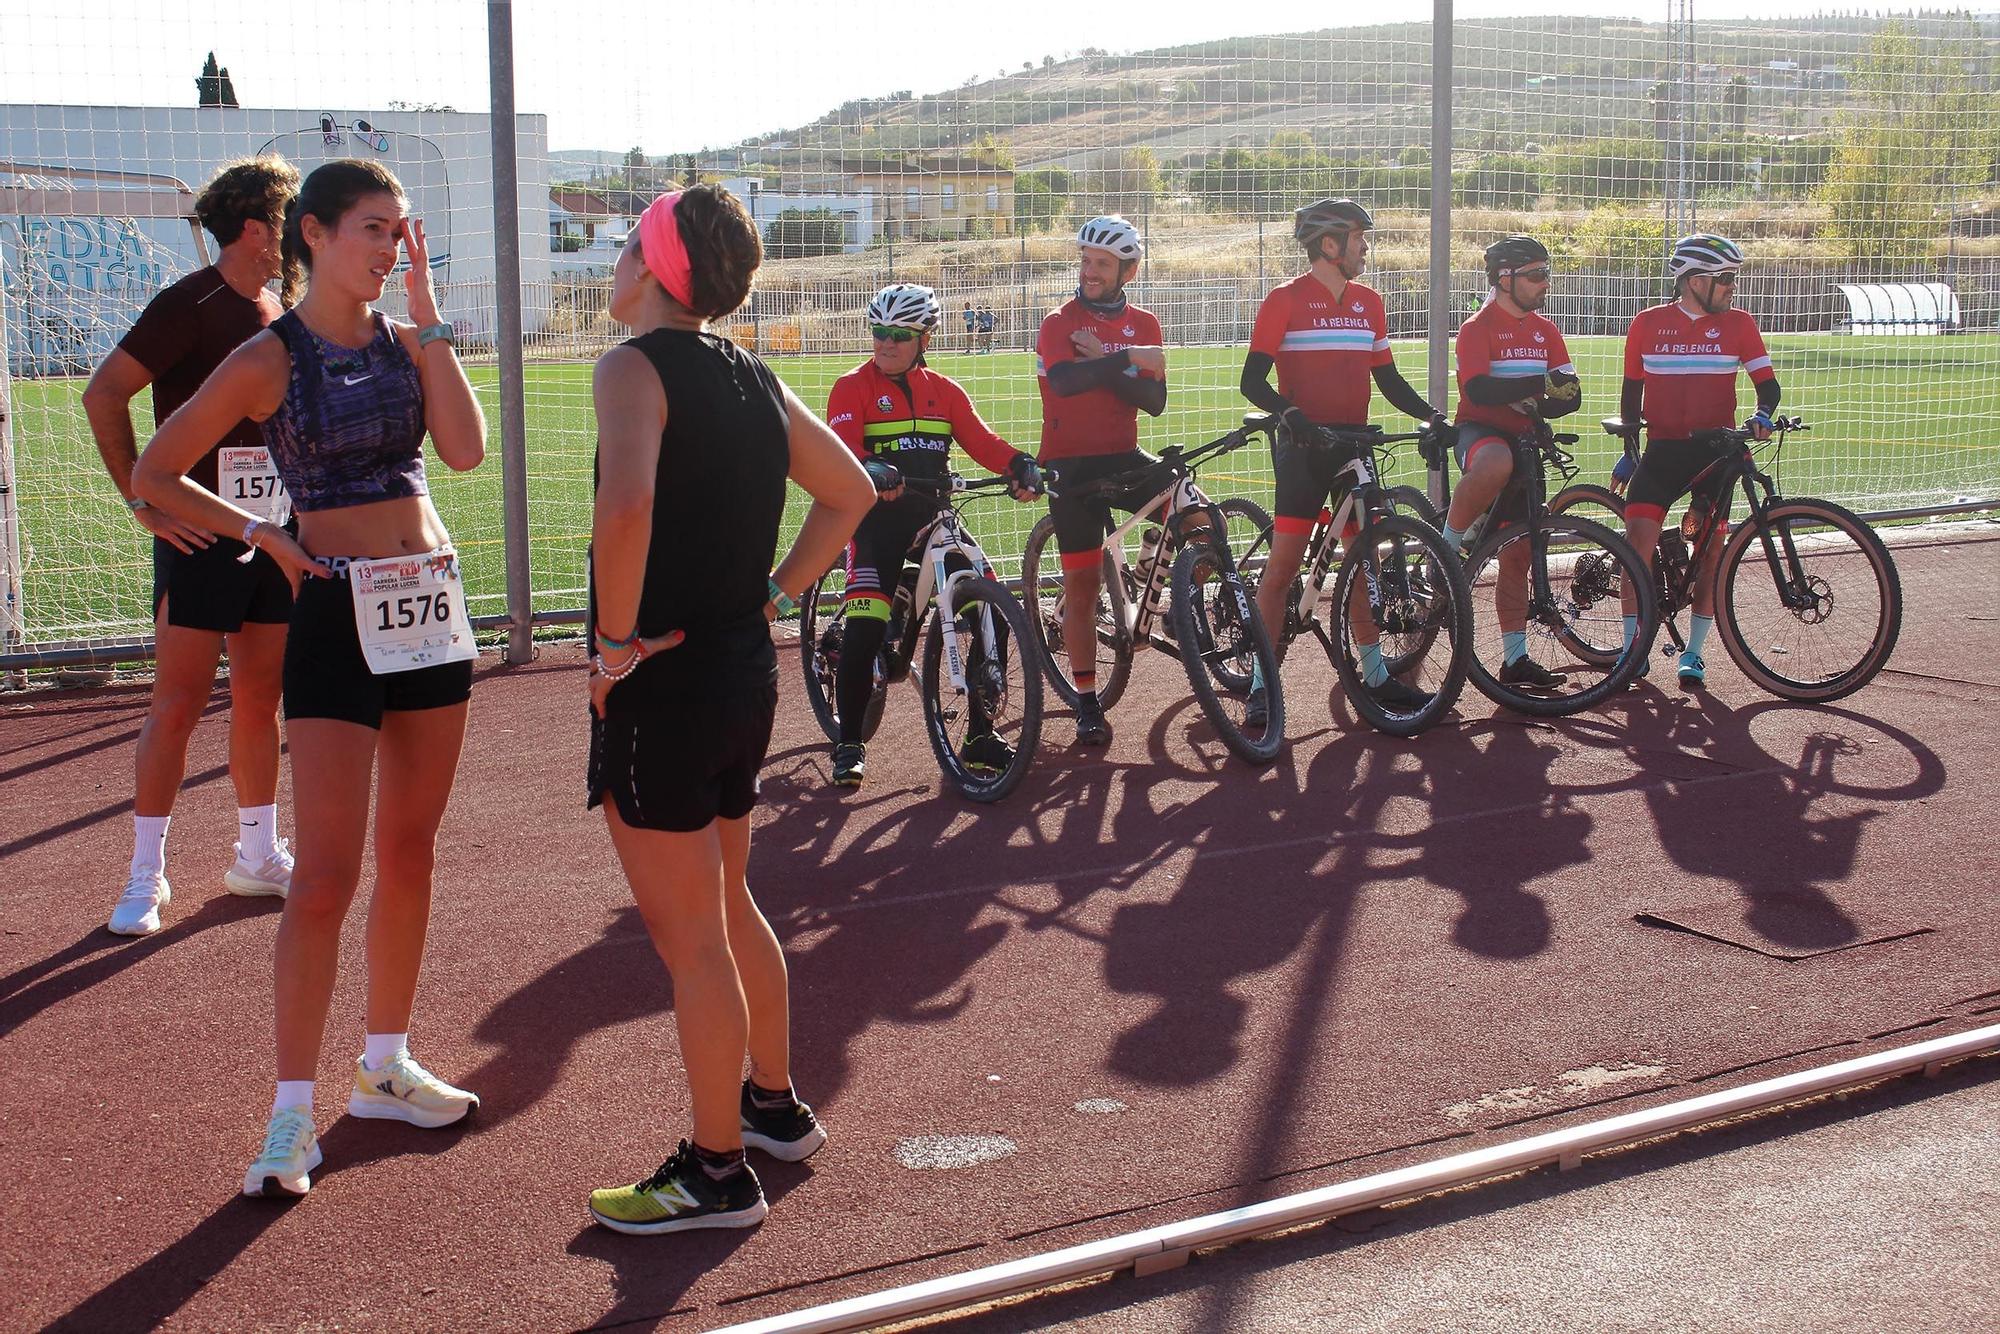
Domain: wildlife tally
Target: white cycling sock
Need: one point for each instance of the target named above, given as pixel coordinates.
(381, 1048)
(293, 1093)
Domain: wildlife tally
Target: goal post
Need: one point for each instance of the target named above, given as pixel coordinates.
(76, 268)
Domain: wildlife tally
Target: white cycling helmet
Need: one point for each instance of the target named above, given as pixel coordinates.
(905, 306)
(1113, 234)
(1703, 253)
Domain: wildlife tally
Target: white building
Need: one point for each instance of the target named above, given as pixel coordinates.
(855, 211)
(111, 266)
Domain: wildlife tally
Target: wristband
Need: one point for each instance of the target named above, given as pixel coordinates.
(783, 603)
(135, 504)
(606, 641)
(1763, 417)
(250, 533)
(432, 333)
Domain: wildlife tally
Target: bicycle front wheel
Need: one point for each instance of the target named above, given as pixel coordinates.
(1413, 596)
(1042, 593)
(1221, 637)
(1248, 531)
(1576, 656)
(1808, 601)
(984, 734)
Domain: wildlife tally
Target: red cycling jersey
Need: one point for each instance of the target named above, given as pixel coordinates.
(1096, 421)
(911, 420)
(1326, 348)
(1495, 343)
(1689, 364)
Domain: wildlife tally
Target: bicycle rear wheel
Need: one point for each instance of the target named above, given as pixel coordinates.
(1421, 609)
(1223, 646)
(1845, 609)
(990, 636)
(1412, 501)
(1042, 595)
(822, 628)
(1578, 635)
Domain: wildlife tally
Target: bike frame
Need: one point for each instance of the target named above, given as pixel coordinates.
(1361, 500)
(947, 534)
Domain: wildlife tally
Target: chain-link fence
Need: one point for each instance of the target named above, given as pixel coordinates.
(1853, 158)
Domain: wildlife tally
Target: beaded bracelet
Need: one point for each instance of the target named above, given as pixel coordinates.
(250, 532)
(606, 641)
(631, 665)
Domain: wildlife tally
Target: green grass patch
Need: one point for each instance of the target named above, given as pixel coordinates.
(1898, 421)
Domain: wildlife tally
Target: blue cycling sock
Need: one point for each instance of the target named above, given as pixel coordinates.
(1513, 645)
(1453, 538)
(1631, 630)
(1256, 674)
(1697, 633)
(1373, 673)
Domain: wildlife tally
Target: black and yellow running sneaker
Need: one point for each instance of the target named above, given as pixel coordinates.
(681, 1197)
(850, 764)
(986, 753)
(788, 1132)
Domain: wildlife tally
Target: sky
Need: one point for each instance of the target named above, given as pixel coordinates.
(665, 75)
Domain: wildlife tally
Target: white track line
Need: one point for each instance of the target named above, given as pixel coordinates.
(1170, 1244)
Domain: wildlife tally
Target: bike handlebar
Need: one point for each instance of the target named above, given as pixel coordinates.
(1173, 460)
(1736, 435)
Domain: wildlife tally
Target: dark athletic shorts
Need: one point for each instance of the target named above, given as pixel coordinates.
(326, 676)
(208, 590)
(1306, 478)
(1082, 524)
(680, 768)
(1665, 471)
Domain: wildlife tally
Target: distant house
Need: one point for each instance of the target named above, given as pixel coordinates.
(918, 196)
(576, 217)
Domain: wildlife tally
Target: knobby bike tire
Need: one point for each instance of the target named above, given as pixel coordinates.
(1744, 573)
(1187, 595)
(940, 716)
(1430, 597)
(1042, 603)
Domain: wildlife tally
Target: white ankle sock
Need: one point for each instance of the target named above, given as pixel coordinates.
(149, 843)
(381, 1048)
(293, 1093)
(257, 832)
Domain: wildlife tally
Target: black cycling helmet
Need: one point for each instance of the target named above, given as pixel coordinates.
(1324, 217)
(1513, 252)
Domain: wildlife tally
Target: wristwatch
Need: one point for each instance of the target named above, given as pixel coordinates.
(783, 603)
(431, 333)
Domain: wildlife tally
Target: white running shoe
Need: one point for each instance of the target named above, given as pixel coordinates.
(270, 878)
(291, 1152)
(138, 910)
(402, 1090)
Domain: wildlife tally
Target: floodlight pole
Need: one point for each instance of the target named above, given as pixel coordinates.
(507, 292)
(1440, 288)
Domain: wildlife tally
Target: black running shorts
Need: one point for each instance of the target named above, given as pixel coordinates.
(326, 676)
(687, 763)
(208, 589)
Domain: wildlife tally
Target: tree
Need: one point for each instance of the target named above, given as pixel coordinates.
(1048, 62)
(1040, 197)
(1736, 107)
(802, 233)
(1126, 180)
(213, 85)
(1922, 131)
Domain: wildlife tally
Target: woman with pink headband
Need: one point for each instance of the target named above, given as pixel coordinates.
(695, 439)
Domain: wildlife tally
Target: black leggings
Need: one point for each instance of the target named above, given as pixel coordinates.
(861, 640)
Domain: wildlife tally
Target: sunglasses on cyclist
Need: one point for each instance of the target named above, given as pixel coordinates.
(886, 334)
(1538, 274)
(1726, 279)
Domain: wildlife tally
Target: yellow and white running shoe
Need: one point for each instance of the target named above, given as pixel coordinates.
(291, 1151)
(402, 1090)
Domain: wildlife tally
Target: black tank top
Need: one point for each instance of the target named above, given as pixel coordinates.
(717, 502)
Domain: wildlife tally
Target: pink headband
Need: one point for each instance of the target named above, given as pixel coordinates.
(665, 253)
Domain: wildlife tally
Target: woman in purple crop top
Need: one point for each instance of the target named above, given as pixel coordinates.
(345, 397)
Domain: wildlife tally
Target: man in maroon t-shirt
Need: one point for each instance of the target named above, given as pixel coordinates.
(204, 595)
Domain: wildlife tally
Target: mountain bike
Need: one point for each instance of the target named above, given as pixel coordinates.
(1394, 567)
(976, 668)
(1577, 570)
(1808, 602)
(1185, 577)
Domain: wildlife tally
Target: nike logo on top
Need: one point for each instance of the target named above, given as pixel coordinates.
(357, 379)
